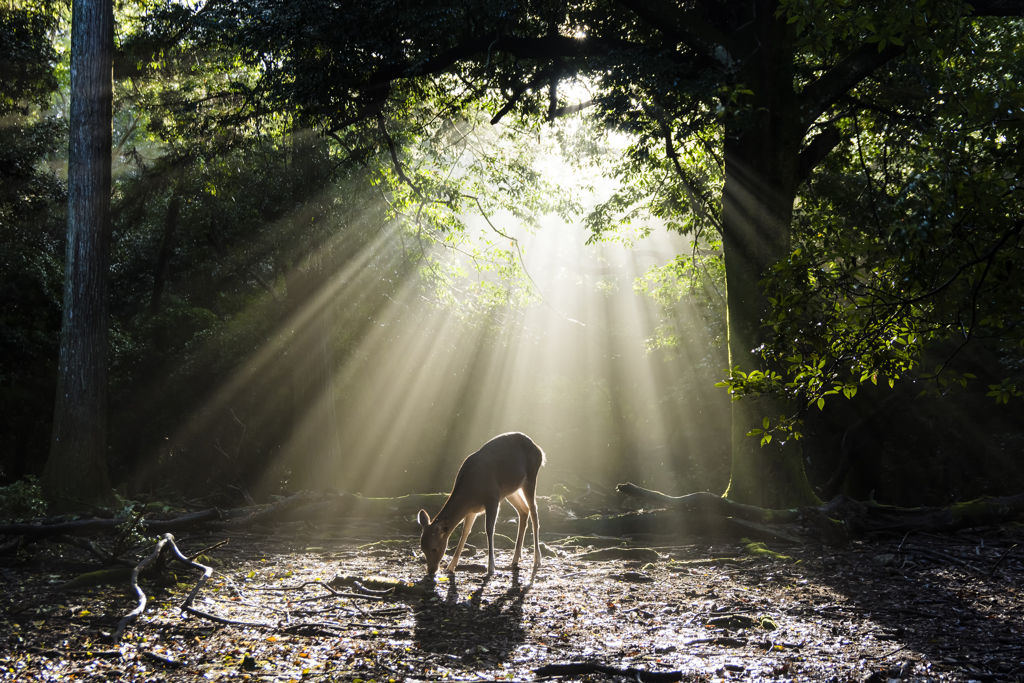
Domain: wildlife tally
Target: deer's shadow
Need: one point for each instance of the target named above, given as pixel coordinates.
(473, 626)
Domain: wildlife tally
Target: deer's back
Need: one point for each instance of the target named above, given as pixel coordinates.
(500, 467)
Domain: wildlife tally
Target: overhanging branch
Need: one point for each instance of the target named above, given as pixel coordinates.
(837, 81)
(689, 27)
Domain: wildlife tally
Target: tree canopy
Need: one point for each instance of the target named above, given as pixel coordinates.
(847, 173)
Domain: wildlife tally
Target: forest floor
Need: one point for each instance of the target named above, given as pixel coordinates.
(937, 608)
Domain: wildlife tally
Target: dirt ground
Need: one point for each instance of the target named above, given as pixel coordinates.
(917, 608)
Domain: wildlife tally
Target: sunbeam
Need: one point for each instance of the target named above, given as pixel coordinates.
(374, 385)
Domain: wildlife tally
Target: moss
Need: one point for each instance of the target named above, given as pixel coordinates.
(761, 550)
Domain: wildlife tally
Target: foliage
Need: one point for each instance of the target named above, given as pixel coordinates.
(910, 235)
(22, 499)
(261, 146)
(31, 232)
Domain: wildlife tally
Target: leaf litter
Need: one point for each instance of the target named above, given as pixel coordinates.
(303, 602)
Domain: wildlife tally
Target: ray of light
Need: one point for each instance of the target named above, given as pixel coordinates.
(414, 386)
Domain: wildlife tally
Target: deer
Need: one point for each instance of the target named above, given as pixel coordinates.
(504, 467)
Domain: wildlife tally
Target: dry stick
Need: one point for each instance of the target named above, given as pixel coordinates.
(1000, 560)
(209, 548)
(186, 606)
(370, 591)
(582, 668)
(106, 557)
(942, 557)
(287, 589)
(163, 661)
(134, 614)
(234, 586)
(84, 654)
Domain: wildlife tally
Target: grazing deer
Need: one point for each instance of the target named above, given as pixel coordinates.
(505, 467)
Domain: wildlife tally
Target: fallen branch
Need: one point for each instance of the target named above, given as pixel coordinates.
(84, 527)
(857, 517)
(163, 661)
(167, 543)
(721, 640)
(269, 512)
(1000, 560)
(584, 668)
(105, 556)
(207, 549)
(140, 608)
(940, 557)
(709, 502)
(207, 573)
(77, 654)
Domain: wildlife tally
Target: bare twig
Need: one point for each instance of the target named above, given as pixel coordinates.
(942, 557)
(1000, 560)
(105, 556)
(204, 551)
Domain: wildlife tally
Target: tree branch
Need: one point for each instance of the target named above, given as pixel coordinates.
(817, 149)
(987, 256)
(835, 83)
(689, 27)
(394, 156)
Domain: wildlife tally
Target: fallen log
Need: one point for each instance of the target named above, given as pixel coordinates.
(856, 517)
(709, 502)
(85, 527)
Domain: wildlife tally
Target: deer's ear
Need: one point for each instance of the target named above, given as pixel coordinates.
(423, 518)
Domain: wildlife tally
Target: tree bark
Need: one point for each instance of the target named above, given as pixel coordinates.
(762, 172)
(76, 471)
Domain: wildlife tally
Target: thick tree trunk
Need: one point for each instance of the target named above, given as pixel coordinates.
(76, 471)
(762, 147)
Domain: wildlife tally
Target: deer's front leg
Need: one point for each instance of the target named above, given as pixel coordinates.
(467, 526)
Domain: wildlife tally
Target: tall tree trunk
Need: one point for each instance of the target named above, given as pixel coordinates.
(76, 471)
(762, 149)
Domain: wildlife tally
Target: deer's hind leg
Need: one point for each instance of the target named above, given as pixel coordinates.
(518, 501)
(529, 494)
